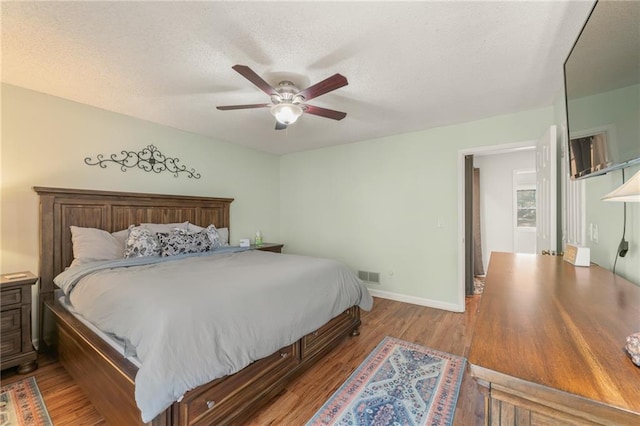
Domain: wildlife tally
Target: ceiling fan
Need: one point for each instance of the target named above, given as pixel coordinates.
(287, 101)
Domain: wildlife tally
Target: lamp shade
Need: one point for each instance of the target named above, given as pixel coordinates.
(286, 113)
(628, 192)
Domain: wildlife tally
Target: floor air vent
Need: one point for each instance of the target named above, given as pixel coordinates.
(372, 277)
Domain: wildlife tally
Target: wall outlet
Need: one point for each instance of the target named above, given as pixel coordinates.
(593, 232)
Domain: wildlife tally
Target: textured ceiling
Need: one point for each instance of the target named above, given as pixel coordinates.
(410, 65)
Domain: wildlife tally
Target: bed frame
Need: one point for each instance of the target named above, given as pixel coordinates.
(105, 375)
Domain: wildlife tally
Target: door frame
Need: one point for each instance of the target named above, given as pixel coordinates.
(547, 191)
(462, 153)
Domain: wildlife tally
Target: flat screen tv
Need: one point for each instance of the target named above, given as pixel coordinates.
(602, 91)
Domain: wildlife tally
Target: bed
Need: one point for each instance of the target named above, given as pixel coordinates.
(105, 375)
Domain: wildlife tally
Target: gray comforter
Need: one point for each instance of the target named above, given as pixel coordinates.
(193, 319)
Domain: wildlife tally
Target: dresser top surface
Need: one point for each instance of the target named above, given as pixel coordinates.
(545, 321)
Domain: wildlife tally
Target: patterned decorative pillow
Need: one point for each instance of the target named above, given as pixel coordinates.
(141, 242)
(223, 234)
(181, 241)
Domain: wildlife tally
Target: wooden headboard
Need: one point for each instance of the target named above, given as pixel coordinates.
(112, 211)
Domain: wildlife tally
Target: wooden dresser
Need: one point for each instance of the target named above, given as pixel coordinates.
(15, 331)
(548, 346)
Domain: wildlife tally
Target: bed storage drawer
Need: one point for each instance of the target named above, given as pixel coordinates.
(219, 401)
(312, 343)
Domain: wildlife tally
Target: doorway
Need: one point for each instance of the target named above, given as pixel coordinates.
(496, 166)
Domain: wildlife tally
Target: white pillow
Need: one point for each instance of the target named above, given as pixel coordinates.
(223, 233)
(121, 236)
(92, 244)
(164, 227)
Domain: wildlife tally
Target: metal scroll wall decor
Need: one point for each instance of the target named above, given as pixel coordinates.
(149, 159)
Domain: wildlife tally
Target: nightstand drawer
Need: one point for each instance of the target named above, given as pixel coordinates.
(10, 344)
(10, 320)
(15, 322)
(11, 297)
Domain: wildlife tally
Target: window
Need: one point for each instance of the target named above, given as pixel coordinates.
(526, 208)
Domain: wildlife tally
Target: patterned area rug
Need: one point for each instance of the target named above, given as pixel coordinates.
(478, 284)
(21, 404)
(400, 383)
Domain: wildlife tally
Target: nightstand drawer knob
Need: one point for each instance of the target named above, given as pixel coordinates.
(210, 404)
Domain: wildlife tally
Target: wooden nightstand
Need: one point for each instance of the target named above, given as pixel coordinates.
(15, 332)
(274, 247)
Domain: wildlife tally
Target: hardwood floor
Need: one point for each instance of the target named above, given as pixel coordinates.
(437, 329)
(66, 403)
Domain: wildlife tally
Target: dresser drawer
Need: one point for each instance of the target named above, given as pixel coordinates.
(11, 297)
(10, 344)
(209, 406)
(10, 321)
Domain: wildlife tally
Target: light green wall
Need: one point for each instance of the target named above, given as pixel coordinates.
(609, 218)
(45, 140)
(387, 205)
(390, 205)
(617, 109)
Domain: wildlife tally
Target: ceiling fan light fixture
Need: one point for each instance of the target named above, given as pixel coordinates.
(287, 102)
(286, 113)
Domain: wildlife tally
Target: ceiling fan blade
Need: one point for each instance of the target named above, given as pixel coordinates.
(229, 107)
(250, 75)
(280, 126)
(334, 82)
(324, 112)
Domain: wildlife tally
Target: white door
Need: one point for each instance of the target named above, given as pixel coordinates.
(546, 188)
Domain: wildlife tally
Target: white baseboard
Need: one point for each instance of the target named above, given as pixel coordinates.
(417, 300)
